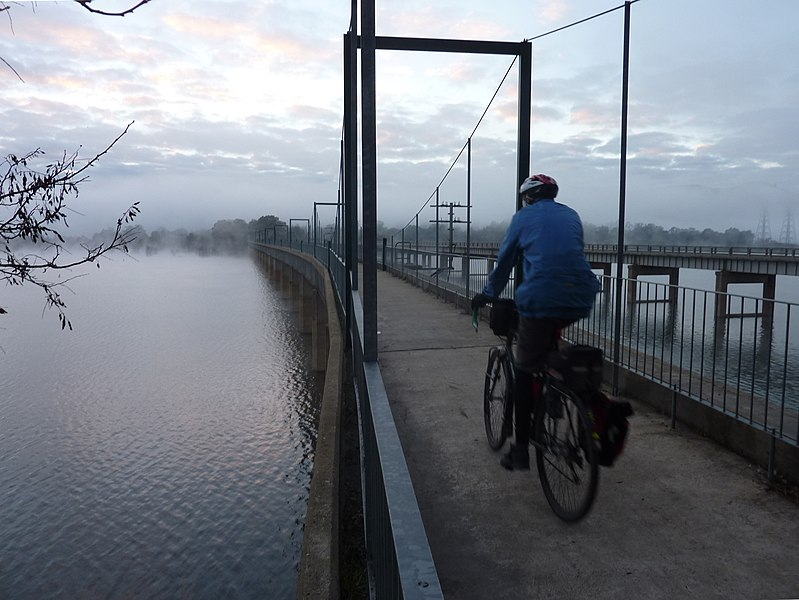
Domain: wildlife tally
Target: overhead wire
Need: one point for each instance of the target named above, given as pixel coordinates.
(463, 148)
(580, 22)
(493, 97)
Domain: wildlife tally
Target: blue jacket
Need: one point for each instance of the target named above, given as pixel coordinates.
(558, 282)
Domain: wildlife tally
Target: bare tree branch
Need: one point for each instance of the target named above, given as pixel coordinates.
(104, 152)
(12, 68)
(85, 4)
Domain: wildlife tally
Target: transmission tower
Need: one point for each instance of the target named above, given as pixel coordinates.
(451, 221)
(763, 235)
(788, 232)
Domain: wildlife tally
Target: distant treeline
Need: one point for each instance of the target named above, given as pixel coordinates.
(639, 233)
(226, 237)
(647, 233)
(231, 236)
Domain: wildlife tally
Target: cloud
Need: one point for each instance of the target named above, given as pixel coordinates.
(238, 107)
(552, 10)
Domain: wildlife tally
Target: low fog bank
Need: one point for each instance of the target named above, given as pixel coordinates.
(231, 237)
(227, 237)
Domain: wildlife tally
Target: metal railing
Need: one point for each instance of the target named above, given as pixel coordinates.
(787, 251)
(777, 251)
(400, 563)
(741, 365)
(736, 354)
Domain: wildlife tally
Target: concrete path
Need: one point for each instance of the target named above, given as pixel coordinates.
(676, 517)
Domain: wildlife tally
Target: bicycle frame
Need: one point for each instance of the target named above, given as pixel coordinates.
(560, 428)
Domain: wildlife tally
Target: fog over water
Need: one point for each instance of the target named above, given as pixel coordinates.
(164, 447)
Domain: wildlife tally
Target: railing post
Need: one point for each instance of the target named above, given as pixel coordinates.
(467, 271)
(402, 251)
(772, 448)
(674, 407)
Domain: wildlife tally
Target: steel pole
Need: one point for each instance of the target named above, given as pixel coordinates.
(523, 136)
(468, 269)
(622, 200)
(369, 168)
(417, 245)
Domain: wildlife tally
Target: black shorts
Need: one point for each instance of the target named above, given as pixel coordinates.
(536, 338)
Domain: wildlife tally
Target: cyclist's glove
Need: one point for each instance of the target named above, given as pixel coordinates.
(480, 300)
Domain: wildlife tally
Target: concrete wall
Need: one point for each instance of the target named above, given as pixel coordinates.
(751, 442)
(308, 284)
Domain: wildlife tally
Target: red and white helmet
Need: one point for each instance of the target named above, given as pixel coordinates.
(539, 186)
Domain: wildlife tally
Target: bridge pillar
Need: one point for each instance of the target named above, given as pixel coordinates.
(634, 271)
(283, 277)
(607, 269)
(307, 293)
(274, 270)
(492, 262)
(295, 282)
(725, 278)
(319, 335)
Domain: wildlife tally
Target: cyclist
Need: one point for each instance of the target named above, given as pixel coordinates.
(558, 289)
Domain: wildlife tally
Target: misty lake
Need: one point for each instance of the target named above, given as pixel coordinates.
(162, 449)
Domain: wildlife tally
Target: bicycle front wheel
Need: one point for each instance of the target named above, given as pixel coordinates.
(565, 453)
(497, 401)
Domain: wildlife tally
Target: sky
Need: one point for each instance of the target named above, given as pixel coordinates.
(237, 108)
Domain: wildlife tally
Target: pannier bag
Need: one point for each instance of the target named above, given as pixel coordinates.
(610, 426)
(504, 317)
(579, 366)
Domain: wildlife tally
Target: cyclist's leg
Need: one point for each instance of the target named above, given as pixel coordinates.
(518, 457)
(534, 341)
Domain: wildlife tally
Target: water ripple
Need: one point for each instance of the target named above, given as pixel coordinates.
(165, 449)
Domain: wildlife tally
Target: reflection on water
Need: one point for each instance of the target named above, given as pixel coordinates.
(164, 447)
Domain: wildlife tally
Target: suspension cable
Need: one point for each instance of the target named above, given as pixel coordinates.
(460, 153)
(581, 21)
(493, 97)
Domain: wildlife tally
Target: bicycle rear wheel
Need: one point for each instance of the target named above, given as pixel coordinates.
(565, 453)
(497, 400)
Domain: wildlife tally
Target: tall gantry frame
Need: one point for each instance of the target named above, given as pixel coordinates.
(369, 43)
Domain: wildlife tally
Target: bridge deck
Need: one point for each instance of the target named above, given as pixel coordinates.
(676, 517)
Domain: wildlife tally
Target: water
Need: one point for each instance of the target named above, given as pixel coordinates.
(162, 449)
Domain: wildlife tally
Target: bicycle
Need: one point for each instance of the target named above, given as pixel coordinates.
(566, 453)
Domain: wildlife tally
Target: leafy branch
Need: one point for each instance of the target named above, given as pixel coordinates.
(33, 205)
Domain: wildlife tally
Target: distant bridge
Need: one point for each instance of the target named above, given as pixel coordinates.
(766, 261)
(732, 264)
